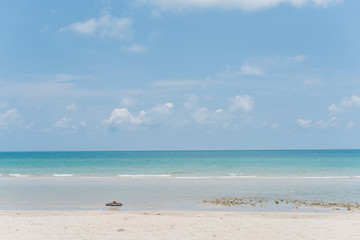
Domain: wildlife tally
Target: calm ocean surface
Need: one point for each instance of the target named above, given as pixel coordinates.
(175, 179)
(167, 164)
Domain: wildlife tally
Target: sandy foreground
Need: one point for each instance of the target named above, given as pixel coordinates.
(103, 225)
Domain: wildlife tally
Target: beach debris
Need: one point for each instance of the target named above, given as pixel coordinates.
(114, 204)
(120, 230)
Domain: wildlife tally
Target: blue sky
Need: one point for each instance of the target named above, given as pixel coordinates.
(171, 74)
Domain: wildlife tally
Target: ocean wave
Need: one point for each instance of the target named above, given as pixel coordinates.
(233, 175)
(327, 177)
(18, 175)
(292, 177)
(180, 176)
(63, 175)
(267, 177)
(193, 177)
(146, 176)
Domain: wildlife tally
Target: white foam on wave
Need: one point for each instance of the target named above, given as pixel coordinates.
(63, 175)
(193, 177)
(18, 175)
(318, 177)
(213, 177)
(145, 176)
(266, 177)
(233, 175)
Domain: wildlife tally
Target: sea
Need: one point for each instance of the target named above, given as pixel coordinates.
(176, 180)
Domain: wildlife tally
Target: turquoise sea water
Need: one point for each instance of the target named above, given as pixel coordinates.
(175, 179)
(296, 163)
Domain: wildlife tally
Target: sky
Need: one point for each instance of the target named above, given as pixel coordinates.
(179, 75)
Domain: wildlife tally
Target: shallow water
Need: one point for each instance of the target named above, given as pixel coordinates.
(184, 194)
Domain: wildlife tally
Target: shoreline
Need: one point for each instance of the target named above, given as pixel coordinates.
(175, 177)
(239, 195)
(163, 224)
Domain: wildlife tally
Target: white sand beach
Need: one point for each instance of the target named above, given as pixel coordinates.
(41, 225)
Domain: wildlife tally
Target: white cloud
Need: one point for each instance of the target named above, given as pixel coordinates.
(128, 102)
(88, 27)
(241, 102)
(319, 124)
(244, 5)
(135, 48)
(162, 109)
(120, 116)
(71, 107)
(350, 125)
(9, 117)
(202, 116)
(218, 111)
(206, 116)
(325, 124)
(105, 26)
(64, 124)
(257, 66)
(326, 3)
(353, 101)
(304, 123)
(247, 69)
(334, 108)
